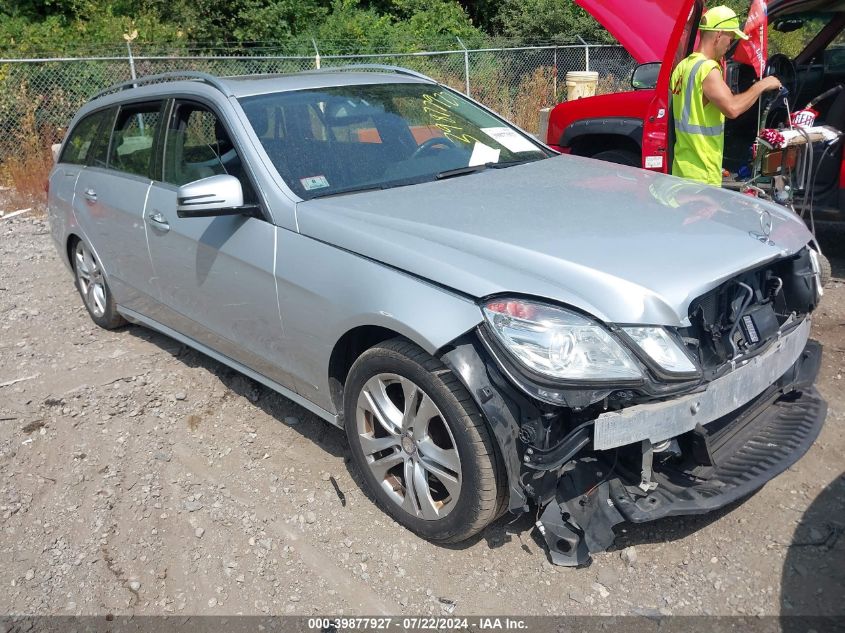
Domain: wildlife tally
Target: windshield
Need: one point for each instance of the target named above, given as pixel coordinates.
(348, 138)
(791, 34)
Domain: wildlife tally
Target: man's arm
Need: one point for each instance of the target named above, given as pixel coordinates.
(716, 91)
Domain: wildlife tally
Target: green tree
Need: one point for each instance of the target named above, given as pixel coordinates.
(394, 25)
(482, 13)
(547, 20)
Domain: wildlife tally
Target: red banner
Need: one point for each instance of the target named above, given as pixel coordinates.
(754, 50)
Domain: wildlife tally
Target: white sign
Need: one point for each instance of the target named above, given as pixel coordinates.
(510, 139)
(483, 154)
(654, 162)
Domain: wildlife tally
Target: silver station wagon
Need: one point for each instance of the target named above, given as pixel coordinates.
(496, 327)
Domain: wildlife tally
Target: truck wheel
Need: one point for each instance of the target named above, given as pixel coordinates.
(825, 272)
(619, 156)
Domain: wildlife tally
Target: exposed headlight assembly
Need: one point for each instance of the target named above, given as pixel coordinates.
(558, 343)
(658, 345)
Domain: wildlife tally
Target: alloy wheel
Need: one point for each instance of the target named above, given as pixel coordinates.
(408, 446)
(89, 275)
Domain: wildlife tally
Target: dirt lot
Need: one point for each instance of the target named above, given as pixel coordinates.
(139, 476)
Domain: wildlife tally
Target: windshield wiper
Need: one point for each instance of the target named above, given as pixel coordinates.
(511, 163)
(370, 187)
(462, 171)
(357, 189)
(474, 169)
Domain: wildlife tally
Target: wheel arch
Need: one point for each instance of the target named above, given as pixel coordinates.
(358, 340)
(347, 350)
(591, 136)
(70, 244)
(73, 237)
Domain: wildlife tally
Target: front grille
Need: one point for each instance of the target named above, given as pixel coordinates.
(745, 312)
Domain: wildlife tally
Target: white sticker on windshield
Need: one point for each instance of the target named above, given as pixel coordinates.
(512, 140)
(483, 154)
(314, 182)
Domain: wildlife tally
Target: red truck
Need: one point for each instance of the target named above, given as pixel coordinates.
(634, 127)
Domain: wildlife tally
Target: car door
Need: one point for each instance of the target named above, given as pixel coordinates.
(109, 201)
(214, 275)
(75, 154)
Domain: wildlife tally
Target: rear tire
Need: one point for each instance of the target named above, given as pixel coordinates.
(93, 288)
(619, 156)
(421, 444)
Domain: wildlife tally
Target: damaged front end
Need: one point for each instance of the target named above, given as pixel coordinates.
(693, 419)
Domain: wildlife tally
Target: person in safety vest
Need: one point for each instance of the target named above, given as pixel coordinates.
(701, 99)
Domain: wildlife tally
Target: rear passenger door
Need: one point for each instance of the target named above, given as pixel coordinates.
(214, 275)
(110, 196)
(75, 154)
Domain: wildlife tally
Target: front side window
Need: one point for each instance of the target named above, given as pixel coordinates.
(198, 146)
(132, 144)
(82, 138)
(343, 138)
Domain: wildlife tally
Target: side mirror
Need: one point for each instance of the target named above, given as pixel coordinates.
(212, 196)
(645, 76)
(788, 25)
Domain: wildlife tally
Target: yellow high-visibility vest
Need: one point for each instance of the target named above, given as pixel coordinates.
(699, 128)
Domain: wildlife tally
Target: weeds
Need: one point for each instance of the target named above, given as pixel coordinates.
(27, 159)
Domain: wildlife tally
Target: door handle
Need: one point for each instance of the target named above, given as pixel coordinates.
(90, 194)
(157, 219)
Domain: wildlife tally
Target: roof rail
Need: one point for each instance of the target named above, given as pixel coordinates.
(378, 67)
(205, 78)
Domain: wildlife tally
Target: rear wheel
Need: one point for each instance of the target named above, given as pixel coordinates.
(93, 288)
(619, 156)
(421, 444)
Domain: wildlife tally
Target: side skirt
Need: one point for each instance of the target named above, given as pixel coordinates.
(135, 317)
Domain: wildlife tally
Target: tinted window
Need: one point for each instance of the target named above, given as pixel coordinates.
(82, 138)
(99, 152)
(132, 143)
(198, 146)
(329, 140)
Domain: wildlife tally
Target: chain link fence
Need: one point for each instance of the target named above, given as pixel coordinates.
(38, 97)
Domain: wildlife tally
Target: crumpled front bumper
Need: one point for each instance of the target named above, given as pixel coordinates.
(663, 420)
(741, 452)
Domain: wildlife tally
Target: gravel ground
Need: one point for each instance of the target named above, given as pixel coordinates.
(139, 476)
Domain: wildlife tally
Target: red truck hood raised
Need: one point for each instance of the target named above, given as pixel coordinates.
(643, 27)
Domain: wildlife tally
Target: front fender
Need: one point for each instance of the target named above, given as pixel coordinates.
(325, 291)
(629, 128)
(480, 378)
(626, 105)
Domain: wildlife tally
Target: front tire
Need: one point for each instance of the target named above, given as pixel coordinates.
(825, 270)
(92, 287)
(423, 448)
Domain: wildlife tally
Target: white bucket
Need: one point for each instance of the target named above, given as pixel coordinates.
(581, 83)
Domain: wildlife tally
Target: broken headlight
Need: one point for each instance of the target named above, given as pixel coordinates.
(558, 343)
(661, 348)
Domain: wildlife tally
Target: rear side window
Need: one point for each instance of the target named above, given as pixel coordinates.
(133, 141)
(82, 138)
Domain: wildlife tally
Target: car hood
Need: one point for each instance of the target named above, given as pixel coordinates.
(624, 244)
(643, 27)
